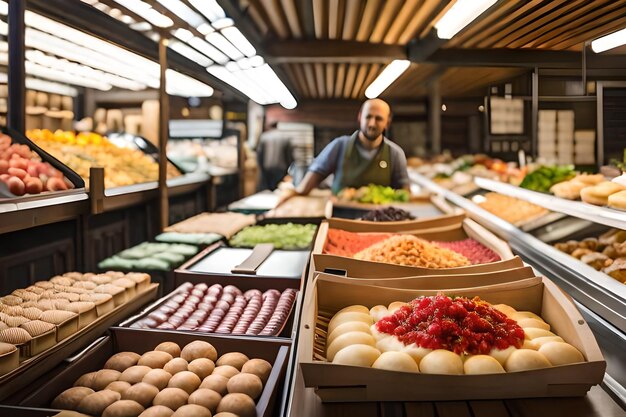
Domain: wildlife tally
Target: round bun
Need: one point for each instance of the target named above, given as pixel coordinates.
(157, 411)
(86, 380)
(357, 355)
(202, 367)
(351, 326)
(396, 361)
(346, 317)
(560, 353)
(172, 398)
(533, 333)
(96, 403)
(442, 361)
(155, 359)
(501, 355)
(118, 386)
(185, 380)
(394, 306)
(248, 384)
(506, 309)
(239, 404)
(122, 361)
(258, 367)
(378, 312)
(176, 365)
(528, 322)
(123, 408)
(192, 410)
(142, 393)
(525, 360)
(540, 341)
(206, 398)
(234, 359)
(69, 399)
(169, 347)
(618, 200)
(414, 351)
(158, 378)
(225, 414)
(104, 377)
(198, 349)
(354, 309)
(482, 364)
(217, 383)
(347, 339)
(519, 315)
(134, 374)
(226, 371)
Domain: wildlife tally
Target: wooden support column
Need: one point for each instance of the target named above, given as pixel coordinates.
(16, 74)
(434, 117)
(164, 112)
(534, 114)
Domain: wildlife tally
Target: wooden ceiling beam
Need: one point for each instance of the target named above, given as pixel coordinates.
(320, 79)
(291, 12)
(339, 80)
(385, 19)
(368, 20)
(402, 19)
(351, 19)
(351, 73)
(330, 76)
(320, 18)
(336, 9)
(278, 21)
(360, 79)
(333, 51)
(427, 11)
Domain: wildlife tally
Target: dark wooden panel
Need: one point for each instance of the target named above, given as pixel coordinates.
(108, 236)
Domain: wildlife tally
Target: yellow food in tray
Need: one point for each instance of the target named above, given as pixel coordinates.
(511, 209)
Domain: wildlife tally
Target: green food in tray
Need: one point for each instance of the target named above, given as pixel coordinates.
(374, 194)
(150, 256)
(545, 177)
(282, 236)
(189, 238)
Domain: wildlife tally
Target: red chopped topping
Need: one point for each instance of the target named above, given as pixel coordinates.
(461, 325)
(473, 250)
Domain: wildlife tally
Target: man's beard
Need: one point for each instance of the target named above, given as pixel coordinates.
(371, 136)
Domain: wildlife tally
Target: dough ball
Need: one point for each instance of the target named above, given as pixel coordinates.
(351, 326)
(357, 355)
(234, 359)
(347, 339)
(395, 306)
(528, 322)
(414, 351)
(176, 365)
(560, 353)
(158, 378)
(525, 360)
(192, 410)
(86, 380)
(202, 367)
(123, 408)
(157, 411)
(122, 361)
(172, 398)
(96, 403)
(248, 384)
(347, 317)
(169, 347)
(155, 359)
(187, 381)
(104, 377)
(529, 344)
(354, 309)
(389, 344)
(482, 364)
(239, 404)
(258, 367)
(118, 386)
(533, 333)
(506, 309)
(378, 312)
(225, 414)
(70, 398)
(216, 383)
(142, 393)
(134, 374)
(501, 355)
(396, 361)
(442, 361)
(520, 315)
(540, 341)
(206, 398)
(198, 349)
(225, 370)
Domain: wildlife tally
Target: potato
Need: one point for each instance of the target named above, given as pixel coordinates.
(225, 370)
(56, 184)
(70, 398)
(172, 398)
(176, 365)
(86, 380)
(123, 408)
(192, 410)
(202, 367)
(134, 374)
(104, 377)
(206, 398)
(142, 393)
(239, 404)
(119, 386)
(185, 380)
(198, 349)
(217, 383)
(16, 186)
(4, 166)
(18, 172)
(157, 411)
(258, 367)
(97, 402)
(122, 361)
(155, 359)
(33, 185)
(234, 359)
(248, 384)
(169, 347)
(157, 377)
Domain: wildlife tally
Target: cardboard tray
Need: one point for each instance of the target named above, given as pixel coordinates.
(337, 383)
(141, 341)
(284, 332)
(33, 368)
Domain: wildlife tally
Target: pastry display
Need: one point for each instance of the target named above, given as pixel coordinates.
(227, 310)
(387, 214)
(282, 236)
(513, 210)
(23, 171)
(617, 200)
(446, 335)
(182, 392)
(571, 189)
(224, 224)
(150, 256)
(373, 194)
(599, 194)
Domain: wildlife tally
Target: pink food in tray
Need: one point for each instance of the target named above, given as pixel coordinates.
(475, 251)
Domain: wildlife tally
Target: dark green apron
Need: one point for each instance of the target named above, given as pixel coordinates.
(358, 171)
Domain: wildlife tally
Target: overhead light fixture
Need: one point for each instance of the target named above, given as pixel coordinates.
(190, 53)
(4, 8)
(223, 23)
(236, 38)
(388, 76)
(62, 76)
(209, 8)
(141, 26)
(50, 87)
(182, 85)
(610, 41)
(183, 11)
(205, 29)
(461, 14)
(143, 9)
(208, 50)
(183, 34)
(222, 43)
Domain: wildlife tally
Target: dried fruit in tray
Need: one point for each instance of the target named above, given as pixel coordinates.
(282, 236)
(387, 214)
(473, 250)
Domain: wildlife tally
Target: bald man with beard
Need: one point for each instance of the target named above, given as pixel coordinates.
(365, 157)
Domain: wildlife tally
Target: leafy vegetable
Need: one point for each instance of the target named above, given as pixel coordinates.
(545, 177)
(375, 194)
(282, 236)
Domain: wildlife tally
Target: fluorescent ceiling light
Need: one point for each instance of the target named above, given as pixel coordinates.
(223, 23)
(64, 77)
(205, 29)
(236, 38)
(141, 26)
(610, 41)
(209, 8)
(183, 11)
(4, 8)
(190, 53)
(256, 61)
(182, 85)
(385, 78)
(222, 43)
(208, 50)
(183, 34)
(461, 14)
(50, 87)
(146, 11)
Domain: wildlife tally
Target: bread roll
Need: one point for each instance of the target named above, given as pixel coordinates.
(217, 383)
(501, 355)
(172, 398)
(175, 365)
(378, 312)
(155, 359)
(351, 326)
(192, 410)
(118, 386)
(234, 359)
(503, 308)
(202, 367)
(617, 200)
(347, 339)
(525, 360)
(157, 411)
(599, 194)
(248, 384)
(415, 352)
(533, 333)
(142, 393)
(134, 374)
(158, 378)
(206, 398)
(198, 349)
(559, 353)
(441, 361)
(539, 324)
(238, 404)
(540, 341)
(96, 403)
(520, 315)
(185, 380)
(482, 364)
(122, 361)
(354, 309)
(104, 377)
(123, 408)
(169, 347)
(346, 317)
(69, 399)
(395, 305)
(396, 361)
(357, 355)
(258, 367)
